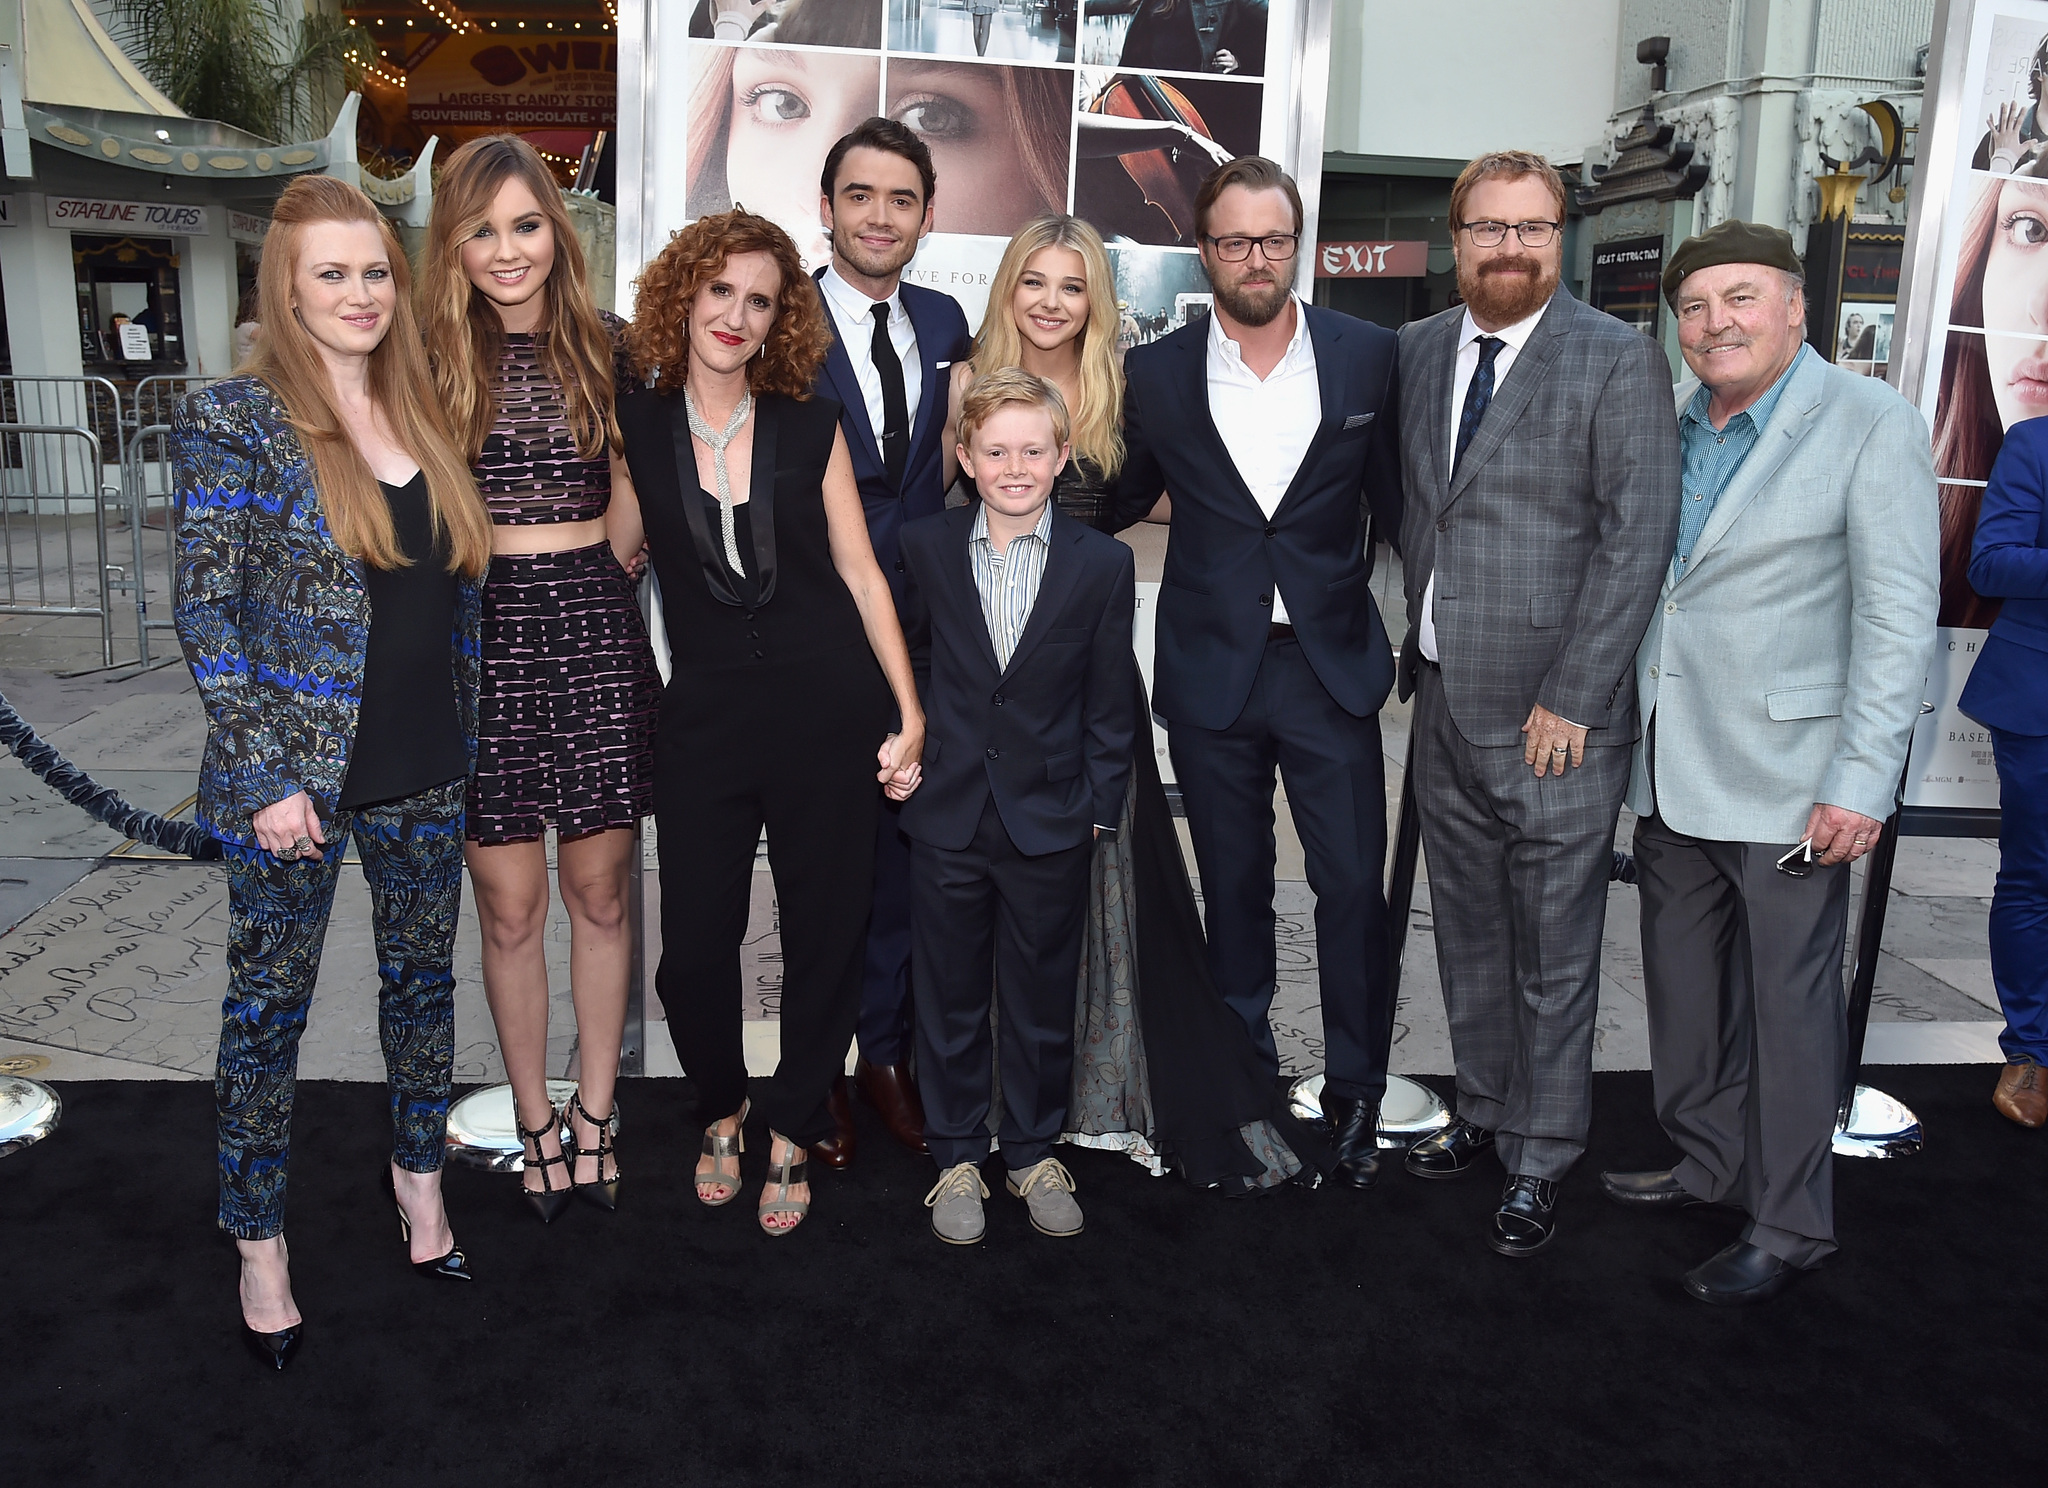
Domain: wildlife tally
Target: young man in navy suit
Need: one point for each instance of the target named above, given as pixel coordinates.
(892, 345)
(1270, 426)
(1019, 624)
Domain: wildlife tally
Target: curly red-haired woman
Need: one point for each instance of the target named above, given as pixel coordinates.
(786, 650)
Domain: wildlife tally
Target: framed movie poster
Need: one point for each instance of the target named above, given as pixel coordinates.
(1969, 343)
(1114, 110)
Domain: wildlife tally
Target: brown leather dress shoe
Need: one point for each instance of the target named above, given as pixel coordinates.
(836, 1151)
(2022, 1094)
(893, 1094)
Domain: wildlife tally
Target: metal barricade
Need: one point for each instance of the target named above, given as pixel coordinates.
(89, 403)
(53, 496)
(151, 498)
(154, 399)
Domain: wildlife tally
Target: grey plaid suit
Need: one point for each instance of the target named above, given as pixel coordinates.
(1548, 547)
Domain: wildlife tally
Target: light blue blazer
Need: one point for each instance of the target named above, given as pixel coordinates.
(1786, 668)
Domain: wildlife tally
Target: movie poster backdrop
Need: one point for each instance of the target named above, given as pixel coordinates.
(1024, 104)
(1969, 342)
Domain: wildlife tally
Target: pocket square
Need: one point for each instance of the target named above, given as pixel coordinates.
(1354, 420)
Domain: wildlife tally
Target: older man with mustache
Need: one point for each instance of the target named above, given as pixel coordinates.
(1779, 682)
(1540, 462)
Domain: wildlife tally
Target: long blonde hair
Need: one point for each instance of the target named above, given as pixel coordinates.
(1098, 434)
(464, 334)
(288, 361)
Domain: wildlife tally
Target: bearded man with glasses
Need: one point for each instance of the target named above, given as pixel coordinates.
(1265, 431)
(1541, 472)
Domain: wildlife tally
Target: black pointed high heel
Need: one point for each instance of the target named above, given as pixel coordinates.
(274, 1350)
(548, 1201)
(453, 1266)
(601, 1191)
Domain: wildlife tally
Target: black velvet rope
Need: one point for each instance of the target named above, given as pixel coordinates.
(81, 790)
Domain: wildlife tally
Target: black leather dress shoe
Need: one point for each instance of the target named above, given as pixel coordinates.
(1448, 1153)
(1659, 1190)
(1355, 1137)
(836, 1151)
(1527, 1217)
(1739, 1275)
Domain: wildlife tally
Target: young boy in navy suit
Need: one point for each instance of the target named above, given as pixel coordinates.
(1019, 623)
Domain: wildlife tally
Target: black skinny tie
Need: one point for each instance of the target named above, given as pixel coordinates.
(894, 435)
(1478, 394)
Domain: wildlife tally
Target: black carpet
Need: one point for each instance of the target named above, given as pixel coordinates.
(1303, 1338)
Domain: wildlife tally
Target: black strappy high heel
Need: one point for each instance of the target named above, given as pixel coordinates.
(453, 1266)
(548, 1201)
(601, 1191)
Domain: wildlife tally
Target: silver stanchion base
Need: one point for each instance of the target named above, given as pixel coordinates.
(483, 1128)
(29, 1111)
(1408, 1112)
(1878, 1126)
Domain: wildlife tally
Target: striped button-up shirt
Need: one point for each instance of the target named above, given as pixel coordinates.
(1007, 581)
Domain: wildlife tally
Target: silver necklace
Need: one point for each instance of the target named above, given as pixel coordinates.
(716, 441)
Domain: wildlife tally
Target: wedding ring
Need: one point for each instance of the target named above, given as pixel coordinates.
(1559, 749)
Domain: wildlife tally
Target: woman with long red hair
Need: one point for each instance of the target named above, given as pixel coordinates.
(330, 551)
(524, 366)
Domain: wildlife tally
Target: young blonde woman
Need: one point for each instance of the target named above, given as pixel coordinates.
(1165, 1071)
(523, 364)
(330, 551)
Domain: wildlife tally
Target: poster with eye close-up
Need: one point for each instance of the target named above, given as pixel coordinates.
(738, 102)
(1969, 343)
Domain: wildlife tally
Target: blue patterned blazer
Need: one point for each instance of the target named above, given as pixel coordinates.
(273, 615)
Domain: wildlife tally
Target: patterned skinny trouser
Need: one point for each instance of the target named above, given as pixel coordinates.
(277, 921)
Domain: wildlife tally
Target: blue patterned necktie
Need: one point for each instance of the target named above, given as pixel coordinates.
(1478, 394)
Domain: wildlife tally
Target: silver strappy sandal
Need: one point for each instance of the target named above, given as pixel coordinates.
(785, 1175)
(718, 1148)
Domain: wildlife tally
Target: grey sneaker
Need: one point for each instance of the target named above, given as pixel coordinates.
(1048, 1189)
(955, 1203)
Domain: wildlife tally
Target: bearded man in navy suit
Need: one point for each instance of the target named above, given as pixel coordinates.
(892, 346)
(1269, 427)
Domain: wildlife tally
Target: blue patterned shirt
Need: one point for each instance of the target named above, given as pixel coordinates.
(1008, 580)
(1712, 456)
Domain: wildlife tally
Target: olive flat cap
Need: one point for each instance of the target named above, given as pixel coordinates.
(1729, 242)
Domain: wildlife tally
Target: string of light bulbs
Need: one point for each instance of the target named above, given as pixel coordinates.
(446, 13)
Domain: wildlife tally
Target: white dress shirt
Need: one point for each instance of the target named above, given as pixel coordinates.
(1513, 338)
(853, 317)
(1266, 423)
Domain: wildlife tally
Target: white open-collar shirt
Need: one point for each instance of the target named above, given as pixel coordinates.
(1266, 423)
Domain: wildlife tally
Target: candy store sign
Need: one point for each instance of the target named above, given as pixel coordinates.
(91, 212)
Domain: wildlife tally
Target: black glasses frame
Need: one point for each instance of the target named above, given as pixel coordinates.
(1287, 243)
(1493, 234)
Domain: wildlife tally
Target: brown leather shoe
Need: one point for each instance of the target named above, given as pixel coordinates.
(2022, 1094)
(893, 1094)
(837, 1150)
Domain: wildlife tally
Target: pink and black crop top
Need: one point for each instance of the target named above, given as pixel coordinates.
(529, 473)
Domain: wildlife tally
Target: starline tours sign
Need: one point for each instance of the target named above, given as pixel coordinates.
(500, 82)
(91, 214)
